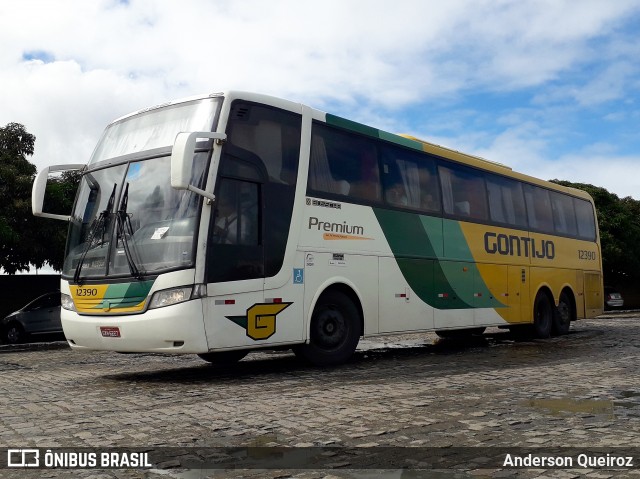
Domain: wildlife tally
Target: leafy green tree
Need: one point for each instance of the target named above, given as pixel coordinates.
(619, 223)
(24, 239)
(16, 178)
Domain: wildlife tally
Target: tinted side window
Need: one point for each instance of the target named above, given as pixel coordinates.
(236, 213)
(564, 217)
(539, 209)
(272, 135)
(585, 219)
(410, 180)
(506, 201)
(264, 147)
(48, 301)
(463, 192)
(344, 164)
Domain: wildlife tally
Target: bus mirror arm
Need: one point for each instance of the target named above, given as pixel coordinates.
(40, 186)
(182, 158)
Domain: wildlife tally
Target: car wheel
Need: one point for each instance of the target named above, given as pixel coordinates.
(14, 333)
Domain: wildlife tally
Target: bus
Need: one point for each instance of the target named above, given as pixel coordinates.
(237, 221)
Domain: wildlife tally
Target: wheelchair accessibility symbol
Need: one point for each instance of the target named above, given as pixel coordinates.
(298, 276)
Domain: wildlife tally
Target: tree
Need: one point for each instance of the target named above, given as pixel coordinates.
(24, 239)
(16, 178)
(619, 223)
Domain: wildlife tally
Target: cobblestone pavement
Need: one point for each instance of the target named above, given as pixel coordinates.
(581, 390)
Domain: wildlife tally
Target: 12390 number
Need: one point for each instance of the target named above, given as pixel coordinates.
(586, 254)
(84, 292)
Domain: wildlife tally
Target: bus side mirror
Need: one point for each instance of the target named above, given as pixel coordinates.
(182, 158)
(40, 187)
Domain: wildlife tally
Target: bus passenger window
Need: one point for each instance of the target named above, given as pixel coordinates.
(271, 134)
(367, 183)
(395, 194)
(506, 201)
(463, 192)
(410, 180)
(539, 209)
(585, 219)
(564, 218)
(321, 177)
(343, 164)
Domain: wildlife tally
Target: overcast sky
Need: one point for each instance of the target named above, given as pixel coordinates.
(549, 87)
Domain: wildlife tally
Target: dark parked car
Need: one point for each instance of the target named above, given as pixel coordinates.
(612, 298)
(40, 316)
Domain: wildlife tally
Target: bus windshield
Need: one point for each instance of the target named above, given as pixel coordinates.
(155, 128)
(128, 220)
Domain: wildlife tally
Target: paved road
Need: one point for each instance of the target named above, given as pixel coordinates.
(581, 390)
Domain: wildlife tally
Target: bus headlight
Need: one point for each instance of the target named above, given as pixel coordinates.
(167, 297)
(67, 302)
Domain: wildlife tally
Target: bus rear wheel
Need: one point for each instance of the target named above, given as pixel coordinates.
(223, 358)
(334, 331)
(543, 312)
(564, 315)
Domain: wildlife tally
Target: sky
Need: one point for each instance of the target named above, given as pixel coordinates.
(550, 88)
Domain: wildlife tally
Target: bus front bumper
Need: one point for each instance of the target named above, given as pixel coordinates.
(175, 329)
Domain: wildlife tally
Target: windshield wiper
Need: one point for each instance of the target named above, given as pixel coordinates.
(124, 229)
(99, 224)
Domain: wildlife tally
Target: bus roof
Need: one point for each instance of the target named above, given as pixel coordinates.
(402, 139)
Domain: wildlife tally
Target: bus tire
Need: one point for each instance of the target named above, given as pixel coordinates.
(543, 313)
(222, 358)
(334, 331)
(564, 314)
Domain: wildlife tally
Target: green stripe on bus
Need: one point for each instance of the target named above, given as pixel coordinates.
(125, 295)
(340, 122)
(441, 283)
(352, 125)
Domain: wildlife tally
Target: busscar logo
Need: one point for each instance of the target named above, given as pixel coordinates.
(324, 204)
(260, 321)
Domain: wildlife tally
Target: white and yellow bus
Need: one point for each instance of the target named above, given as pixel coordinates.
(236, 221)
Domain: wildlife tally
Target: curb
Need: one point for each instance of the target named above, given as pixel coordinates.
(14, 348)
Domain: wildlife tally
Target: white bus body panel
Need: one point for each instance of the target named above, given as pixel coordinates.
(364, 261)
(173, 329)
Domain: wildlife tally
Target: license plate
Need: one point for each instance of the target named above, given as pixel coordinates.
(110, 332)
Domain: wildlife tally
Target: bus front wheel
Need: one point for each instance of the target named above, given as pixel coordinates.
(334, 331)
